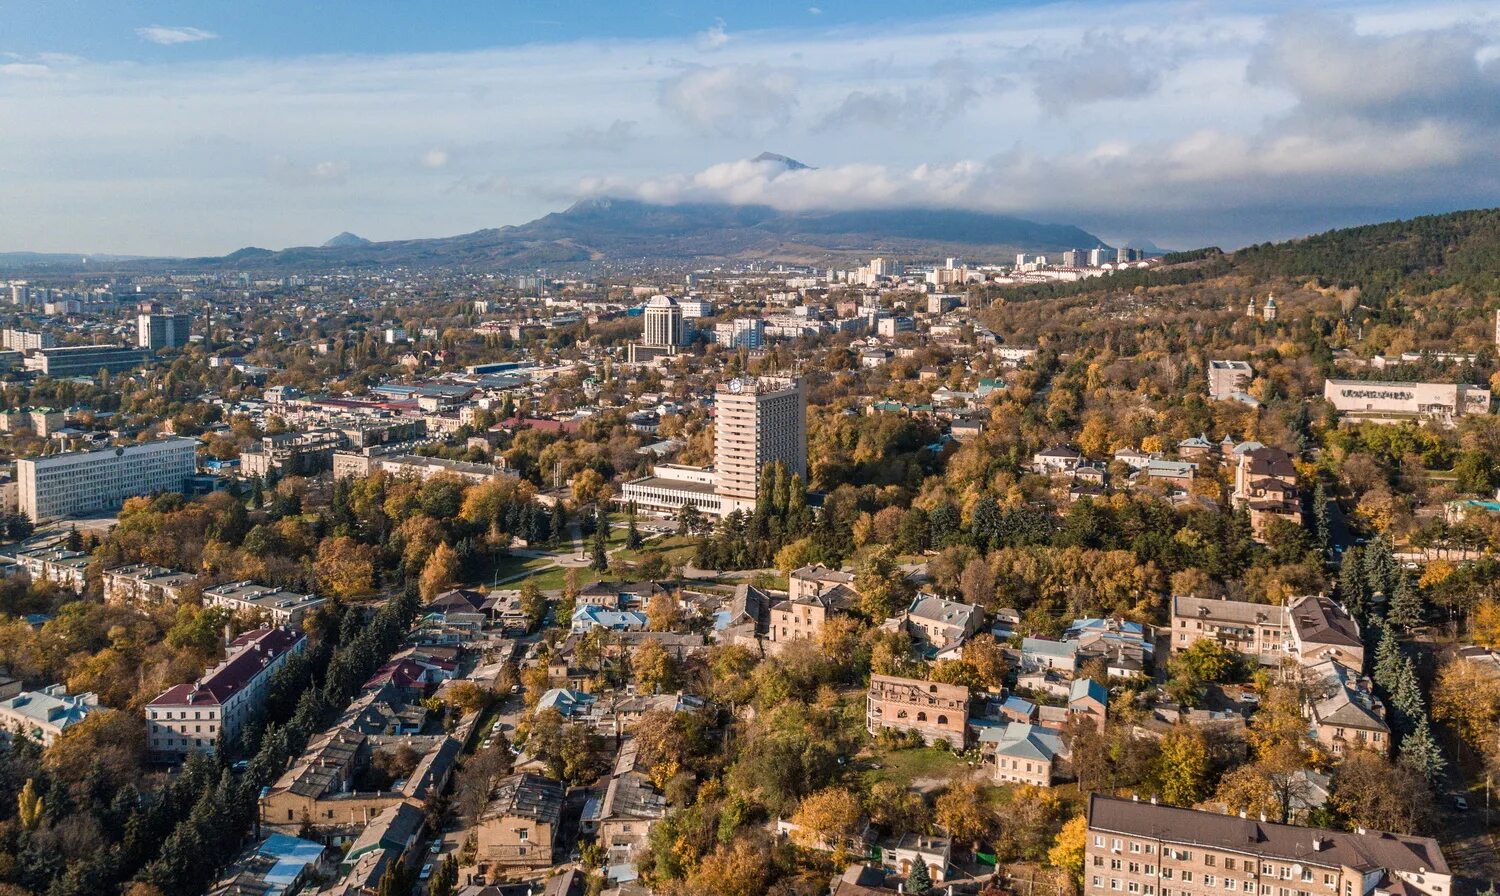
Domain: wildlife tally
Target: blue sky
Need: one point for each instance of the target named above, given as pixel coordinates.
(198, 128)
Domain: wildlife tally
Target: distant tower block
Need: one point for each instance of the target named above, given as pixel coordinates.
(1270, 311)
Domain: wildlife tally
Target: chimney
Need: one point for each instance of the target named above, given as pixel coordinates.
(1243, 814)
(1262, 816)
(1135, 797)
(1153, 799)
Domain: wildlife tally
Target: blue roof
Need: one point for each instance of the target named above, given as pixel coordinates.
(1087, 687)
(292, 856)
(1016, 704)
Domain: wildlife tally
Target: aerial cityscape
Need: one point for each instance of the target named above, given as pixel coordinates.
(605, 449)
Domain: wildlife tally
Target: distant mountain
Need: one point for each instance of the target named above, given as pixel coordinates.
(346, 240)
(620, 230)
(786, 162)
(70, 261)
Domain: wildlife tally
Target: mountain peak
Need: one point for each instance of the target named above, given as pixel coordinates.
(786, 162)
(346, 240)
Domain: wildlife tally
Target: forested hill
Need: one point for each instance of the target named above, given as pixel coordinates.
(1417, 256)
(1413, 257)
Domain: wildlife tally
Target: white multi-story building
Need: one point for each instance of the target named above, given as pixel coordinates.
(1378, 401)
(692, 308)
(156, 330)
(189, 718)
(44, 715)
(63, 485)
(27, 340)
(273, 605)
(663, 323)
(757, 422)
(742, 332)
(145, 585)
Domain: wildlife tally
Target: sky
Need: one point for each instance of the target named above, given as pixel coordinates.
(191, 128)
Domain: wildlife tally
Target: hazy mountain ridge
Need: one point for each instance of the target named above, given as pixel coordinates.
(604, 230)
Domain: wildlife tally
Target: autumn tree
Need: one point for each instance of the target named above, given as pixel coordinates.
(345, 568)
(663, 612)
(1067, 851)
(1374, 793)
(1182, 765)
(439, 572)
(653, 667)
(827, 817)
(963, 812)
(1467, 697)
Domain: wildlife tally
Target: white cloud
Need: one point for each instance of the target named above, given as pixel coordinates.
(732, 100)
(715, 37)
(25, 69)
(292, 173)
(168, 35)
(814, 11)
(435, 158)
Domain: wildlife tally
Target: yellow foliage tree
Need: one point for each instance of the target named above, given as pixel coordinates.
(1067, 849)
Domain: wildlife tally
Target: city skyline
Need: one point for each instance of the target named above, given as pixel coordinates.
(174, 129)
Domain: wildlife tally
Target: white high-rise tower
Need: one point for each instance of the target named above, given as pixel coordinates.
(757, 421)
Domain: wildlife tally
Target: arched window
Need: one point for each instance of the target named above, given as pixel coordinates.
(921, 717)
(942, 720)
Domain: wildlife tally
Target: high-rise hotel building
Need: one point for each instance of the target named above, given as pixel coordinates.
(757, 422)
(663, 325)
(63, 485)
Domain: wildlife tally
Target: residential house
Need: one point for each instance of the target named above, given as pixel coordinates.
(519, 827)
(1343, 711)
(1255, 630)
(1265, 482)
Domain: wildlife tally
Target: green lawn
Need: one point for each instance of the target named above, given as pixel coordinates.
(906, 766)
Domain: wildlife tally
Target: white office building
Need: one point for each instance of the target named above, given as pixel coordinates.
(1382, 401)
(79, 482)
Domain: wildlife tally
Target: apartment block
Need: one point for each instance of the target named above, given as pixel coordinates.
(264, 603)
(155, 330)
(1146, 849)
(144, 585)
(190, 718)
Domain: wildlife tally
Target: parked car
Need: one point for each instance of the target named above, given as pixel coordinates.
(1461, 803)
(426, 872)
